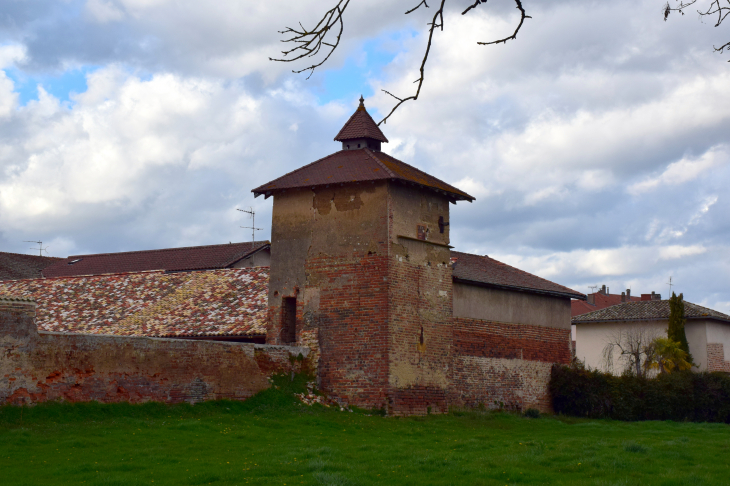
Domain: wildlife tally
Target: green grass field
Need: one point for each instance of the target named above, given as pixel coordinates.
(272, 439)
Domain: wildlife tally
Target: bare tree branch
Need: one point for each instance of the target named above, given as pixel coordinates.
(423, 2)
(714, 8)
(523, 16)
(474, 5)
(631, 347)
(310, 42)
(437, 21)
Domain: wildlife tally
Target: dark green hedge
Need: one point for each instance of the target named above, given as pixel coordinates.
(680, 396)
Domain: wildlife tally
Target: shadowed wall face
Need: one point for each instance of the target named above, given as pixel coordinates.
(36, 367)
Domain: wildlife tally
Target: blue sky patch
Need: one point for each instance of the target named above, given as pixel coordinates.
(365, 62)
(60, 85)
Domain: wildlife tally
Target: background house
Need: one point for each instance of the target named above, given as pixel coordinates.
(708, 331)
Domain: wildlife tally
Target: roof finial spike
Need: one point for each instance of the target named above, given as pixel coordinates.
(362, 101)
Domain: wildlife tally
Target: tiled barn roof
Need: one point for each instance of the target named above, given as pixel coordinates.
(225, 302)
(647, 310)
(360, 125)
(14, 266)
(361, 165)
(170, 259)
(482, 270)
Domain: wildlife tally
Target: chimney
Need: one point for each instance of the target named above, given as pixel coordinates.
(623, 296)
(628, 295)
(603, 289)
(655, 296)
(591, 299)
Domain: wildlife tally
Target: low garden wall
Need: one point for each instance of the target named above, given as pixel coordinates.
(41, 366)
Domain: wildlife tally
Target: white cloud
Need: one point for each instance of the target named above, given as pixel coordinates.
(610, 262)
(684, 170)
(104, 11)
(11, 54)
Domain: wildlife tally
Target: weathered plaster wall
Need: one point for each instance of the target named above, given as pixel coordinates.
(504, 364)
(37, 367)
(420, 302)
(492, 304)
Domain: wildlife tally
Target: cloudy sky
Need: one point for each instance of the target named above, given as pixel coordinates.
(596, 144)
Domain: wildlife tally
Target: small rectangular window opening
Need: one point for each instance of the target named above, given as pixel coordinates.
(288, 319)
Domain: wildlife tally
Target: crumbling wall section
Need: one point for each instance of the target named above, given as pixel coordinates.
(505, 365)
(37, 367)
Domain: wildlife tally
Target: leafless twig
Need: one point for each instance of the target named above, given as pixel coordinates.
(310, 42)
(423, 2)
(437, 21)
(715, 7)
(523, 16)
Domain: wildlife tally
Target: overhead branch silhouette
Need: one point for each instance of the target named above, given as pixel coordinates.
(325, 37)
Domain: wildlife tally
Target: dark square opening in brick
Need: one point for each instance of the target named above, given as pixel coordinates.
(288, 319)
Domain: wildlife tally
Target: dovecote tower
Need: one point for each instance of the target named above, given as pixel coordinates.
(360, 272)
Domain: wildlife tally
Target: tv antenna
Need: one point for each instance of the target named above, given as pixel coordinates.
(670, 285)
(250, 211)
(593, 288)
(40, 247)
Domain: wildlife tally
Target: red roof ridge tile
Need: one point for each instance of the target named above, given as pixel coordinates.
(380, 162)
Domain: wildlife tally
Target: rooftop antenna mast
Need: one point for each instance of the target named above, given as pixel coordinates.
(40, 247)
(670, 285)
(250, 211)
(593, 288)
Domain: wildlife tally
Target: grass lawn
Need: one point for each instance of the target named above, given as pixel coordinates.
(272, 439)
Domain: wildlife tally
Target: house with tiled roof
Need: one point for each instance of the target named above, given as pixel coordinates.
(707, 330)
(14, 266)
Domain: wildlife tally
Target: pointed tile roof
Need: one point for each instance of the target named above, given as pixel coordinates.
(360, 165)
(360, 125)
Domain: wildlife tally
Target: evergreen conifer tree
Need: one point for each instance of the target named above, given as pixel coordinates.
(676, 323)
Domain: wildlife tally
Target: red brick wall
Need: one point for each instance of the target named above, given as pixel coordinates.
(36, 367)
(473, 337)
(499, 364)
(716, 358)
(352, 326)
